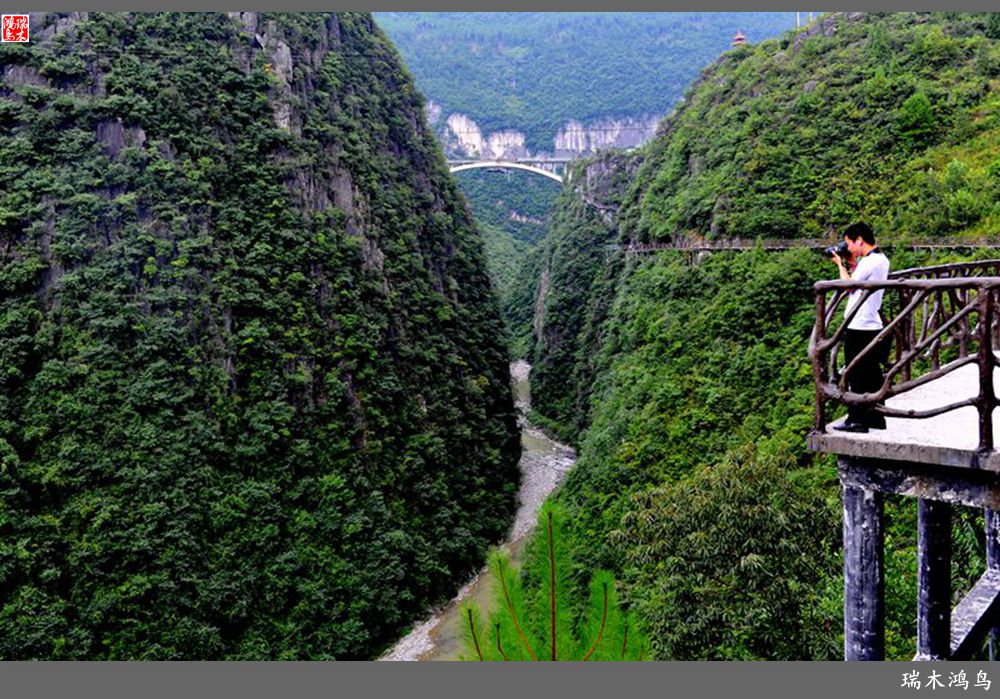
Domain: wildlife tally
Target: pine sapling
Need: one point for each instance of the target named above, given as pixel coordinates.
(524, 622)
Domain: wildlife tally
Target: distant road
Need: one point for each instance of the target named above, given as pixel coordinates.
(522, 161)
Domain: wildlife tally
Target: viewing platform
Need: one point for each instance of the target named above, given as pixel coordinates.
(948, 439)
(939, 399)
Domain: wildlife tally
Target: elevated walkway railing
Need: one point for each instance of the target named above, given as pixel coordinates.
(700, 244)
(939, 319)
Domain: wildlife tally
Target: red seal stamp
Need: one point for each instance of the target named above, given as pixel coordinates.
(15, 28)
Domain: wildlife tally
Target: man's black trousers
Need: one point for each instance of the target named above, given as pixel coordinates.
(866, 377)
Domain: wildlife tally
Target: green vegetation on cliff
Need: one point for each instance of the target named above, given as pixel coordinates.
(533, 71)
(891, 118)
(693, 485)
(576, 288)
(512, 210)
(513, 201)
(254, 392)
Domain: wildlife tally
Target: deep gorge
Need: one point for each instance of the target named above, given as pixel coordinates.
(255, 396)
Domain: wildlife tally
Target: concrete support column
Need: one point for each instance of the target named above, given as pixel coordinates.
(864, 574)
(933, 580)
(992, 518)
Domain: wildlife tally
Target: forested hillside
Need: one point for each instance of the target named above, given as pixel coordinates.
(254, 389)
(512, 210)
(514, 201)
(890, 118)
(579, 266)
(612, 74)
(685, 380)
(533, 71)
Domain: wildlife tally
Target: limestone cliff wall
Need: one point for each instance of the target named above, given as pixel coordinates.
(463, 137)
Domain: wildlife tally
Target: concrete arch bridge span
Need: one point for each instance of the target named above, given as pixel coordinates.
(504, 165)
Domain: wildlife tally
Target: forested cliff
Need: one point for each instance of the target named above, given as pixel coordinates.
(684, 379)
(888, 117)
(254, 393)
(561, 81)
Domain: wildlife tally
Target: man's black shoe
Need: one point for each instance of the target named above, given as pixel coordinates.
(851, 427)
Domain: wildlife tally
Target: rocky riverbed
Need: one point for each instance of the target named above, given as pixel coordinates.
(543, 464)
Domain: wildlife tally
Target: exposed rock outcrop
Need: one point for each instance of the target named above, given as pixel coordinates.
(463, 137)
(576, 138)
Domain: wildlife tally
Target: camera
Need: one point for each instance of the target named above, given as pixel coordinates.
(840, 248)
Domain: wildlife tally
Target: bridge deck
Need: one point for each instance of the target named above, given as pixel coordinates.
(949, 439)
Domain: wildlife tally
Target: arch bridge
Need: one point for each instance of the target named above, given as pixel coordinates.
(532, 166)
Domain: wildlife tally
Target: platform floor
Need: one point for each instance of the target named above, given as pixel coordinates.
(949, 439)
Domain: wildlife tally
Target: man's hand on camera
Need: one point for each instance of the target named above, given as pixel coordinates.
(844, 274)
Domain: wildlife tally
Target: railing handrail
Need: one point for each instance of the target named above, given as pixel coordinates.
(943, 283)
(909, 272)
(934, 314)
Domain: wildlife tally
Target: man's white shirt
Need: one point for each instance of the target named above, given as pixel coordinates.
(871, 268)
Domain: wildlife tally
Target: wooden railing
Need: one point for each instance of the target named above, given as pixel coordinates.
(939, 319)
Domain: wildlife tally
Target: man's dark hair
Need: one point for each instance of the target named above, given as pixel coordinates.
(860, 230)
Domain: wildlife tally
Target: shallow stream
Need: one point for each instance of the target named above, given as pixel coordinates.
(543, 465)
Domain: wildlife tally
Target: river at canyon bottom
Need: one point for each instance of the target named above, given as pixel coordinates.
(543, 464)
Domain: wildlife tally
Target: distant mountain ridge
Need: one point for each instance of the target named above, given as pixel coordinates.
(560, 83)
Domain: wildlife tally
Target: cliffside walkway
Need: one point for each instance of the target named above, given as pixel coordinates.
(778, 244)
(939, 397)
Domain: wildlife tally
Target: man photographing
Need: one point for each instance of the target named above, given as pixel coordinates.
(866, 377)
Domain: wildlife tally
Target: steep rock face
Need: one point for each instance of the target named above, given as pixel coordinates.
(579, 272)
(575, 137)
(462, 136)
(254, 397)
(433, 112)
(506, 144)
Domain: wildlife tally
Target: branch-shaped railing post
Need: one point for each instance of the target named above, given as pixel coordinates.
(987, 397)
(996, 324)
(904, 334)
(819, 334)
